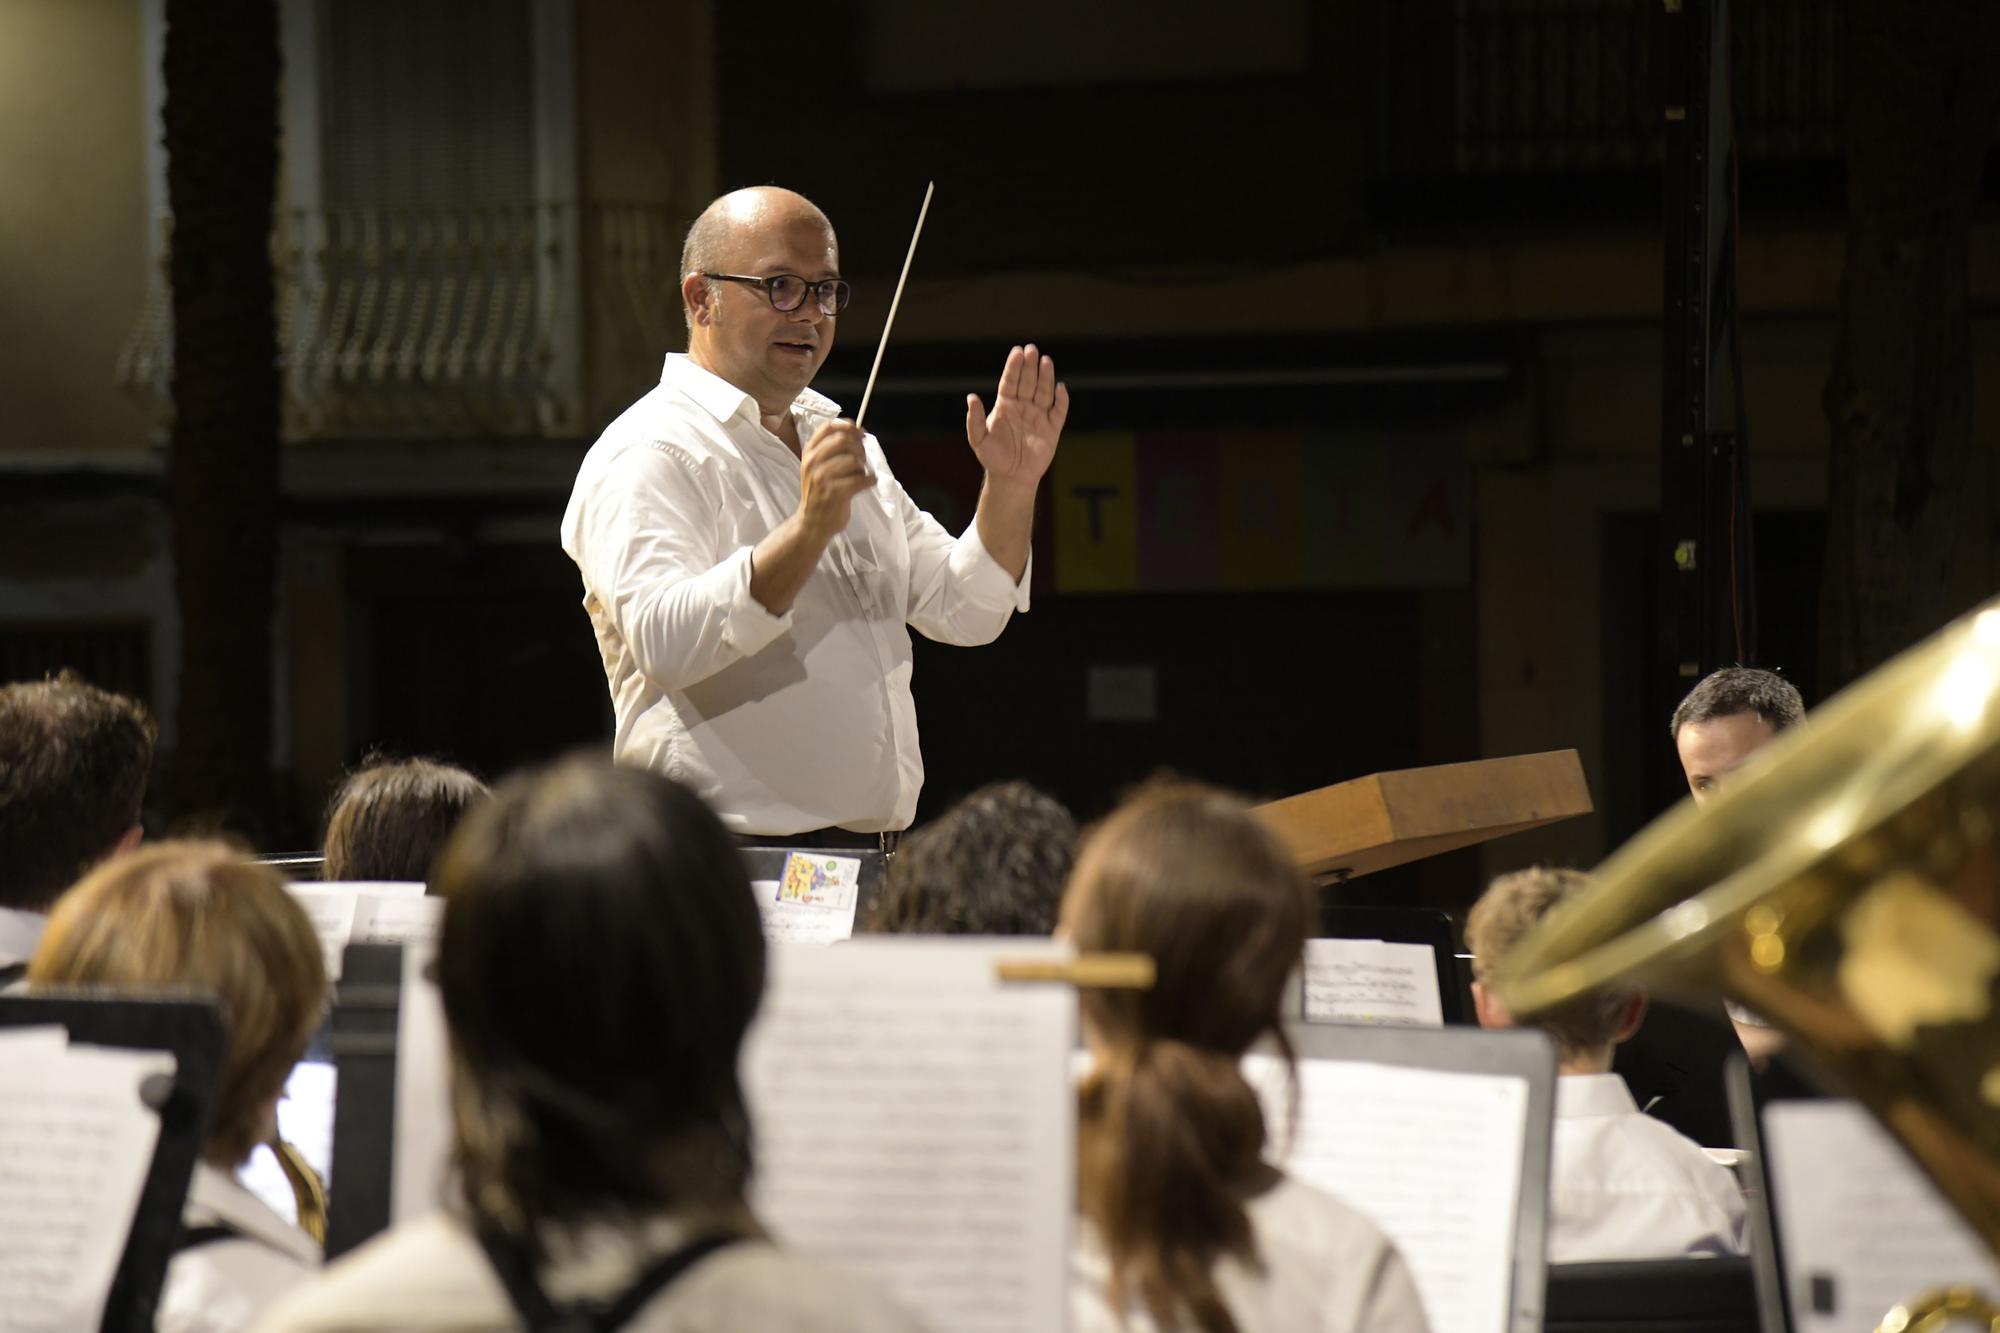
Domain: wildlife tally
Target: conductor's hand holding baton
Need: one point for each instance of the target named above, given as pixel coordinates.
(833, 469)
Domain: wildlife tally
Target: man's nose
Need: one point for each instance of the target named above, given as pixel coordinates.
(808, 311)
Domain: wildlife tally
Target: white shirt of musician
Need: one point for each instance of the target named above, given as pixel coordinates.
(20, 932)
(1626, 1186)
(223, 1285)
(782, 723)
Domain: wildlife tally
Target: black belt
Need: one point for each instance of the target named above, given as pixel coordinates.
(828, 839)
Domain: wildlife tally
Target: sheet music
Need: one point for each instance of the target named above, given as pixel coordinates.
(305, 1120)
(1432, 1157)
(1372, 981)
(398, 919)
(76, 1144)
(813, 901)
(331, 912)
(1865, 1237)
(366, 912)
(916, 1123)
(422, 1136)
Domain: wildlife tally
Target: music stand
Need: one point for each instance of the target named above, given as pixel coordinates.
(768, 863)
(1695, 1295)
(192, 1030)
(366, 1006)
(1389, 819)
(1524, 1054)
(1408, 925)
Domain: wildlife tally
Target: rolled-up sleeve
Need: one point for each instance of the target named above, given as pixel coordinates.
(958, 592)
(645, 539)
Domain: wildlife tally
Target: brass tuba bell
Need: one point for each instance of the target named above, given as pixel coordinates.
(1845, 885)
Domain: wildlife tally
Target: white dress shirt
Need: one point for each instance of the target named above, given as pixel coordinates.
(430, 1274)
(1626, 1186)
(1326, 1269)
(224, 1285)
(782, 723)
(20, 932)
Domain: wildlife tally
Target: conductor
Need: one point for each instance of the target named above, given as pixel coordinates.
(750, 565)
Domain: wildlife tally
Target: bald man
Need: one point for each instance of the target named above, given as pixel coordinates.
(750, 565)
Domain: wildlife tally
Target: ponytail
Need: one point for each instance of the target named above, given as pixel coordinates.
(1170, 1137)
(1171, 1142)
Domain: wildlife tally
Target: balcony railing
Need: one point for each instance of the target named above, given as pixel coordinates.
(405, 324)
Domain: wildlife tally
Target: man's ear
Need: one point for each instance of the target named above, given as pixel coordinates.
(1633, 1015)
(695, 295)
(1486, 1005)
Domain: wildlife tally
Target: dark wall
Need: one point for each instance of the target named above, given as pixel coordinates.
(1225, 171)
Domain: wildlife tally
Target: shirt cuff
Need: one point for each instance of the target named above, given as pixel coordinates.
(981, 576)
(747, 628)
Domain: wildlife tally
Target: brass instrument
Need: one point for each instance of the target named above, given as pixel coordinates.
(308, 1190)
(1935, 1310)
(1845, 884)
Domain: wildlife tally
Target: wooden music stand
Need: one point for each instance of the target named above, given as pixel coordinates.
(1387, 819)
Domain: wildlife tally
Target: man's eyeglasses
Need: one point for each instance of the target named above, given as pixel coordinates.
(787, 291)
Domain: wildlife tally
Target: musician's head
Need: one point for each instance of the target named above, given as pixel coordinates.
(73, 766)
(1728, 717)
(1171, 1138)
(993, 864)
(735, 329)
(391, 817)
(600, 961)
(201, 918)
(1586, 1030)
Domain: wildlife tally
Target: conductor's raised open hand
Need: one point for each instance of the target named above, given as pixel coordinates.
(1016, 441)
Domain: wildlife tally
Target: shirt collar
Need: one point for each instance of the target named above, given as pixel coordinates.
(20, 932)
(723, 400)
(215, 1195)
(1581, 1096)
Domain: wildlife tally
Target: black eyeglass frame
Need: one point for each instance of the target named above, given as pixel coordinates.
(839, 288)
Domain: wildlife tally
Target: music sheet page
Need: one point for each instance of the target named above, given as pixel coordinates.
(1868, 1236)
(397, 919)
(76, 1144)
(1372, 981)
(916, 1122)
(1432, 1157)
(331, 912)
(366, 912)
(305, 1120)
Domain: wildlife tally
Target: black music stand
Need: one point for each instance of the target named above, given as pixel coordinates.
(192, 1030)
(1750, 1091)
(1696, 1295)
(366, 1006)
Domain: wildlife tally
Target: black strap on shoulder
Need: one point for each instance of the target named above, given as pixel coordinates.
(541, 1315)
(193, 1238)
(12, 973)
